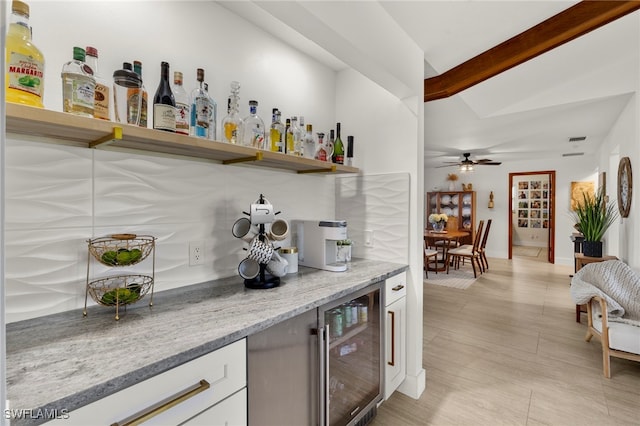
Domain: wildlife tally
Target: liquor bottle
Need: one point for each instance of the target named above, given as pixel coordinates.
(288, 137)
(78, 85)
(183, 105)
(137, 68)
(297, 137)
(127, 87)
(349, 150)
(321, 153)
(309, 147)
(252, 131)
(101, 102)
(232, 122)
(24, 72)
(330, 145)
(164, 103)
(199, 108)
(276, 134)
(212, 133)
(338, 147)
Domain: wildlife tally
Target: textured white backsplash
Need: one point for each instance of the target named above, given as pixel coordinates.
(377, 203)
(58, 197)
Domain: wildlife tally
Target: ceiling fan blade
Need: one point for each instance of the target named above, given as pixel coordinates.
(484, 160)
(491, 163)
(446, 165)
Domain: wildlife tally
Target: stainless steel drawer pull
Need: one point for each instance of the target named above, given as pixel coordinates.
(393, 339)
(398, 287)
(164, 405)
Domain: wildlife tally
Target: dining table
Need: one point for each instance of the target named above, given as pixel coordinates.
(450, 238)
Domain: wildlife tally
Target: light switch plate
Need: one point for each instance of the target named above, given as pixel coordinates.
(368, 238)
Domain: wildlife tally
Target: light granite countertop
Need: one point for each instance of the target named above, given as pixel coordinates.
(63, 361)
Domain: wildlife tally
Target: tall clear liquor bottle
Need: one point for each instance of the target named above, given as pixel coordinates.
(252, 131)
(137, 68)
(297, 138)
(288, 137)
(329, 145)
(309, 147)
(200, 106)
(101, 101)
(24, 72)
(183, 106)
(212, 128)
(277, 132)
(164, 103)
(78, 85)
(232, 122)
(338, 147)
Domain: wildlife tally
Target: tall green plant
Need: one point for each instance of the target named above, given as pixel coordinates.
(595, 215)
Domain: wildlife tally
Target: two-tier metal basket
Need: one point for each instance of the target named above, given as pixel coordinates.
(120, 250)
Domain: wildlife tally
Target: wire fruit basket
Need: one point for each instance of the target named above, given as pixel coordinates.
(120, 250)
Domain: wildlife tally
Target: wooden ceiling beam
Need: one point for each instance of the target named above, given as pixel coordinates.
(574, 22)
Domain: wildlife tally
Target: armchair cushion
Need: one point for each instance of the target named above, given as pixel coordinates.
(622, 337)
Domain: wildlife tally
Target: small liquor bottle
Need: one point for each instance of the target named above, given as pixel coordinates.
(297, 138)
(288, 139)
(78, 85)
(232, 122)
(101, 101)
(338, 148)
(321, 153)
(329, 146)
(183, 106)
(349, 150)
(164, 103)
(252, 131)
(137, 68)
(276, 133)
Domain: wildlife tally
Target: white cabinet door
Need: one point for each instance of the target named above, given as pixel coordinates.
(230, 412)
(395, 300)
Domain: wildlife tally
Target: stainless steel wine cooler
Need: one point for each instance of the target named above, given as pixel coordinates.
(323, 367)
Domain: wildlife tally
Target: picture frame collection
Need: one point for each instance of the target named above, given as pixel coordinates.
(533, 204)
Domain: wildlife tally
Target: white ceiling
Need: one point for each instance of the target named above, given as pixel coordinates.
(530, 111)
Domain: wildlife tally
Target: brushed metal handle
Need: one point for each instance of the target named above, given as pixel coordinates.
(393, 338)
(326, 374)
(398, 287)
(164, 405)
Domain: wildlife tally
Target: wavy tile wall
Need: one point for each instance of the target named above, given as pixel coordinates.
(58, 197)
(379, 203)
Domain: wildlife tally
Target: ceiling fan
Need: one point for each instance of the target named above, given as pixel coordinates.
(466, 165)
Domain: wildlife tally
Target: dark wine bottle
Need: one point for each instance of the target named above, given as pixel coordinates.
(338, 148)
(164, 104)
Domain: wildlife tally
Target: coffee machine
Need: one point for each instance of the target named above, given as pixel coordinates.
(318, 243)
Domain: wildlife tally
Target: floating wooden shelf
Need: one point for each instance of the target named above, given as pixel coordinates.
(69, 129)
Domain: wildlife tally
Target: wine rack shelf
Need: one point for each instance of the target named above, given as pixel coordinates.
(69, 129)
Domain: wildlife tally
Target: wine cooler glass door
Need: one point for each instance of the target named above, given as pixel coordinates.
(353, 358)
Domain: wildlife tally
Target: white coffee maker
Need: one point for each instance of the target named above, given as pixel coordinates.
(318, 243)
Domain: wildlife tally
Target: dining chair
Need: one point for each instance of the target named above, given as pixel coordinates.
(429, 253)
(467, 252)
(483, 245)
(452, 225)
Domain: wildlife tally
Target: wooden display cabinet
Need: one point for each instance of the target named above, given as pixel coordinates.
(458, 204)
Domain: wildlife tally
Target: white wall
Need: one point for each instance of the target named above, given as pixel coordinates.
(496, 178)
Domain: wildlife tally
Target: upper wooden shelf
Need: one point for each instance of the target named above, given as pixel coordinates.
(93, 133)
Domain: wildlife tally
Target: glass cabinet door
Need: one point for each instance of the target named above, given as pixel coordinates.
(354, 357)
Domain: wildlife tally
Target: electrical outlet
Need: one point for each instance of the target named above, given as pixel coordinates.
(196, 253)
(368, 238)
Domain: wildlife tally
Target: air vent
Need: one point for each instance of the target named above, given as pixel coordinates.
(572, 154)
(577, 138)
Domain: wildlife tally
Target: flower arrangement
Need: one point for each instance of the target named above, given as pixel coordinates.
(438, 218)
(452, 177)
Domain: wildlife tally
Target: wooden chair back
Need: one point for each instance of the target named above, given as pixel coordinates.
(486, 234)
(452, 223)
(476, 240)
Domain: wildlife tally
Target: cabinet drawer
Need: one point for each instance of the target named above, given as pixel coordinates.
(225, 371)
(395, 288)
(230, 412)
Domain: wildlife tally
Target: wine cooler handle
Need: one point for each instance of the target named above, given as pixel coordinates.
(393, 338)
(327, 376)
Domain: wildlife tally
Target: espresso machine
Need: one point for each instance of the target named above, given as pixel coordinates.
(318, 243)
